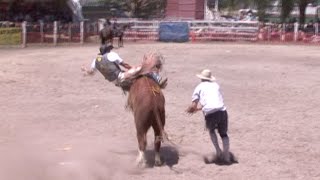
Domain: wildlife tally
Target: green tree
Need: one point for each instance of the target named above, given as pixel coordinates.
(145, 8)
(138, 8)
(262, 6)
(302, 9)
(232, 5)
(286, 8)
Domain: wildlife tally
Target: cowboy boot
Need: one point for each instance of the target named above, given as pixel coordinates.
(226, 146)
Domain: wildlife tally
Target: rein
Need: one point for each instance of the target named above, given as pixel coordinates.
(154, 89)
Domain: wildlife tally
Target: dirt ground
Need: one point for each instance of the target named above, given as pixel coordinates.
(56, 124)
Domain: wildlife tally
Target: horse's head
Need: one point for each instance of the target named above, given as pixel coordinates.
(152, 62)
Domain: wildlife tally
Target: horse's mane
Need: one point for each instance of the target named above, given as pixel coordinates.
(152, 62)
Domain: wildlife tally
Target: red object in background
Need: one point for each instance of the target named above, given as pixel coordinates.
(185, 9)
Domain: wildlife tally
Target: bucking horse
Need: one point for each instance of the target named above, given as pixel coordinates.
(147, 103)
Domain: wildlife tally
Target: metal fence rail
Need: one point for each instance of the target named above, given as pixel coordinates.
(86, 32)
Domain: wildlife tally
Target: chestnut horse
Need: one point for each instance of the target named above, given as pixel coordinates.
(147, 103)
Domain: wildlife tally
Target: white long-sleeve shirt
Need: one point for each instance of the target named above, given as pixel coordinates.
(209, 96)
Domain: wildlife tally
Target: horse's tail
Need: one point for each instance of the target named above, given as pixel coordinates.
(163, 134)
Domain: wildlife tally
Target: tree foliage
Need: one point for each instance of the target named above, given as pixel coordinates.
(262, 5)
(140, 8)
(286, 8)
(302, 9)
(288, 5)
(231, 5)
(145, 8)
(156, 8)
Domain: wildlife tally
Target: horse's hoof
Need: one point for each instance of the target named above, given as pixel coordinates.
(158, 163)
(141, 164)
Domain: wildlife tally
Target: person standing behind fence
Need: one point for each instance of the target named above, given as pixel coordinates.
(208, 94)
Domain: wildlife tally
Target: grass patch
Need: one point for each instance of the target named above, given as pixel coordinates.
(10, 36)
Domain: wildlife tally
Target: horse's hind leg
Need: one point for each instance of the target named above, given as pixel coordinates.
(157, 144)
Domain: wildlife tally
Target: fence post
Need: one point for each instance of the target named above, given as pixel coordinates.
(316, 29)
(81, 32)
(55, 33)
(269, 33)
(24, 34)
(41, 32)
(283, 33)
(96, 28)
(296, 31)
(69, 31)
(100, 25)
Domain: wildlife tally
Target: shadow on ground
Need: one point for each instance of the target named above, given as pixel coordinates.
(218, 160)
(169, 156)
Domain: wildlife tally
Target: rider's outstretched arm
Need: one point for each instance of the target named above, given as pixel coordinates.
(90, 71)
(125, 65)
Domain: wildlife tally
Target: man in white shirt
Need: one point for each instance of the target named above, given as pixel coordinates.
(207, 93)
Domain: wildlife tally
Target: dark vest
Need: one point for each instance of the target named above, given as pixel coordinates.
(110, 70)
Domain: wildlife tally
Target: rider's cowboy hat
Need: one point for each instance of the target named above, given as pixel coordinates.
(206, 75)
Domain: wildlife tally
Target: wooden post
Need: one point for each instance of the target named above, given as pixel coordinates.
(269, 32)
(81, 32)
(55, 33)
(96, 31)
(296, 31)
(24, 34)
(41, 32)
(96, 28)
(100, 25)
(283, 33)
(70, 31)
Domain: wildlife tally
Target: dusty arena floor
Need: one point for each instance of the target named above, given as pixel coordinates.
(56, 124)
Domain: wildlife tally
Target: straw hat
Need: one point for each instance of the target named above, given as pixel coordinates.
(206, 75)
